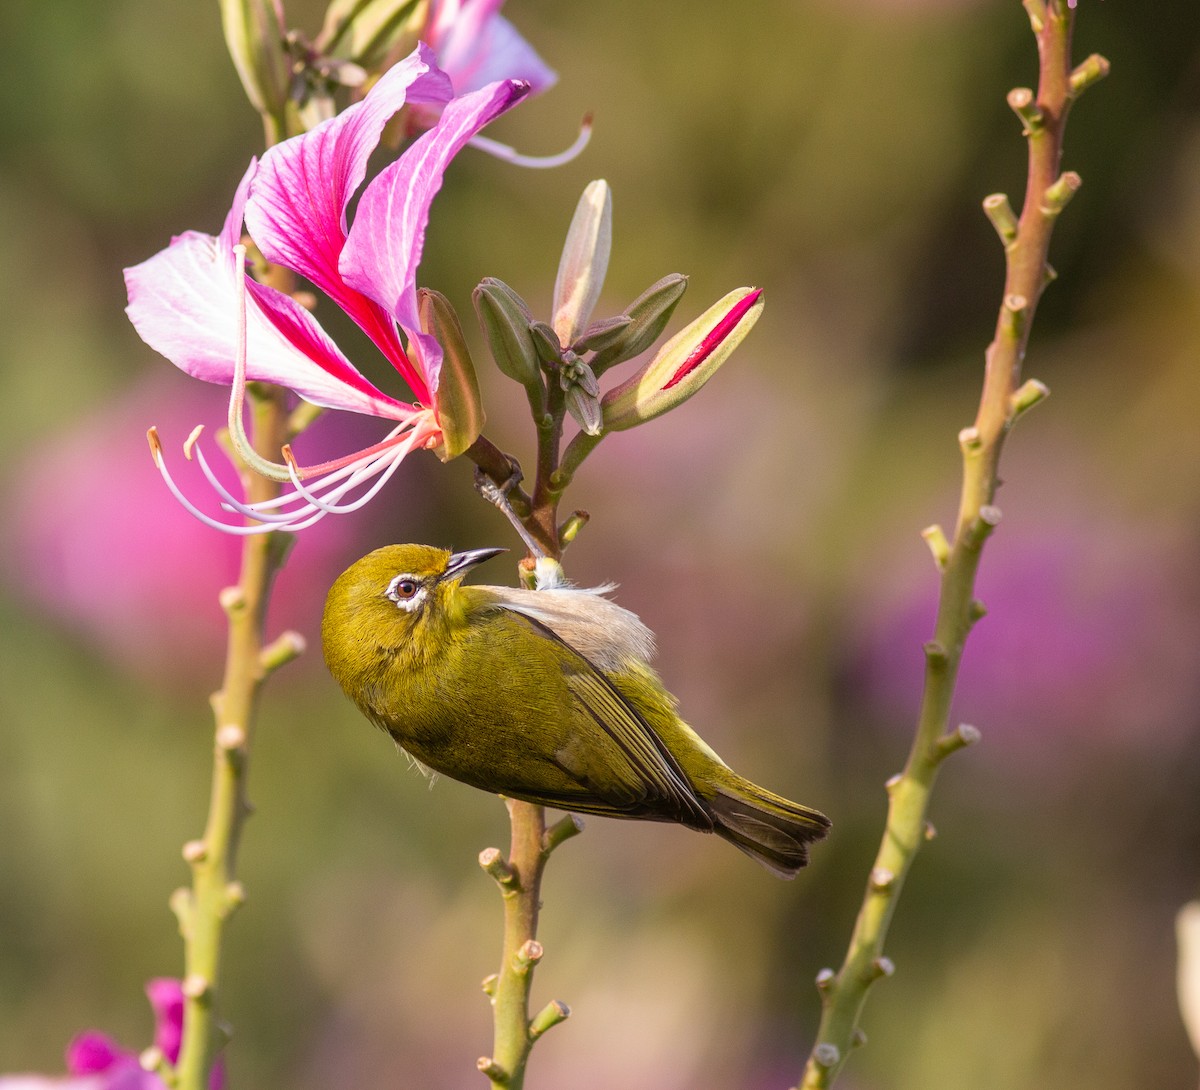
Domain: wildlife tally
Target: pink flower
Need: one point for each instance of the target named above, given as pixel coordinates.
(96, 1062)
(475, 45)
(194, 302)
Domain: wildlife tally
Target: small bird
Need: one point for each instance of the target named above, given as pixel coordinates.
(541, 695)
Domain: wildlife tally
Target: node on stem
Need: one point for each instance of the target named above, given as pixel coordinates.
(1090, 71)
(1003, 218)
(1023, 103)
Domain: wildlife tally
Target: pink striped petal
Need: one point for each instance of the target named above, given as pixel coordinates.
(384, 247)
(296, 213)
(184, 303)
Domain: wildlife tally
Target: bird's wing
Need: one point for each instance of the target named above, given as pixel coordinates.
(645, 780)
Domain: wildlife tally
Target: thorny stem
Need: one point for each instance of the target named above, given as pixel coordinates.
(1003, 398)
(215, 893)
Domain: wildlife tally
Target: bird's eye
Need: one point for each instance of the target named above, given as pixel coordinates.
(405, 591)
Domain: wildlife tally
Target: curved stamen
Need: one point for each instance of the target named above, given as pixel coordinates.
(191, 508)
(315, 502)
(391, 460)
(231, 503)
(350, 465)
(320, 470)
(537, 162)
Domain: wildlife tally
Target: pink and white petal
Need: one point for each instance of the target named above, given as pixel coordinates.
(385, 243)
(327, 377)
(184, 303)
(296, 212)
(481, 46)
(297, 208)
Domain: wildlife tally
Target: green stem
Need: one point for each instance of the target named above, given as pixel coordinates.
(548, 487)
(215, 893)
(844, 993)
(520, 880)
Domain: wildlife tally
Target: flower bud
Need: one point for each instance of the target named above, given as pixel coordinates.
(254, 35)
(584, 262)
(685, 363)
(505, 320)
(603, 333)
(371, 33)
(546, 343)
(648, 316)
(459, 407)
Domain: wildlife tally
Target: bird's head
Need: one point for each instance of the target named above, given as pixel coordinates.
(396, 597)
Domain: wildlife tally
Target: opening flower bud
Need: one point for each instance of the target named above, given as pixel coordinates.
(584, 262)
(685, 363)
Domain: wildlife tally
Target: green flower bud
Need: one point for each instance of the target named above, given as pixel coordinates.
(505, 320)
(685, 363)
(546, 343)
(648, 316)
(459, 407)
(584, 262)
(603, 333)
(254, 35)
(371, 33)
(585, 409)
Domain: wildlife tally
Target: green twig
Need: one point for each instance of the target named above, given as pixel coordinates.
(1026, 244)
(519, 879)
(215, 892)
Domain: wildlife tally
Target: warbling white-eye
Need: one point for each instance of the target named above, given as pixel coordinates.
(541, 695)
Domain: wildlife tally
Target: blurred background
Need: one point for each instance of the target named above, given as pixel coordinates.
(835, 155)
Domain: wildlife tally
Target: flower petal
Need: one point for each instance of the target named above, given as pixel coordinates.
(475, 46)
(296, 212)
(384, 248)
(183, 302)
(92, 1051)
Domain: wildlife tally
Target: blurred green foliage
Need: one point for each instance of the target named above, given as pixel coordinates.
(835, 155)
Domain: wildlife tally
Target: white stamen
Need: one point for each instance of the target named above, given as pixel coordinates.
(394, 456)
(537, 162)
(318, 501)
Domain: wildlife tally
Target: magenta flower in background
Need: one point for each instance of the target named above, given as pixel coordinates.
(187, 301)
(1088, 643)
(96, 1062)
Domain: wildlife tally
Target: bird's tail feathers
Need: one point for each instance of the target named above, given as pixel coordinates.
(768, 828)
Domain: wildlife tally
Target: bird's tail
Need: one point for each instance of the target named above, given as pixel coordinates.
(767, 827)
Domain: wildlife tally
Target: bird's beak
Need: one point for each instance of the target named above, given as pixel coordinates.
(461, 563)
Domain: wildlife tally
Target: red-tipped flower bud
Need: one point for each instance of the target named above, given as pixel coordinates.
(685, 363)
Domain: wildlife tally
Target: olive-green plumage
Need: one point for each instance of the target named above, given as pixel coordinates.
(539, 695)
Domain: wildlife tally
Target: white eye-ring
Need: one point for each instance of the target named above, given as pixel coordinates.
(407, 591)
